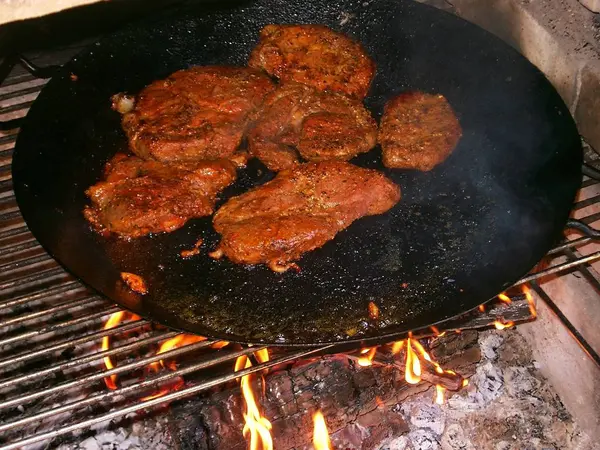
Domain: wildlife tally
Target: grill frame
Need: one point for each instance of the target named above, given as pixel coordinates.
(44, 312)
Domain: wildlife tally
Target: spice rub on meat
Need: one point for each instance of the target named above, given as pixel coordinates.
(299, 210)
(194, 114)
(418, 131)
(314, 55)
(141, 197)
(319, 125)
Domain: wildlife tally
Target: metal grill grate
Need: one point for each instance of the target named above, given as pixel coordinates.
(51, 365)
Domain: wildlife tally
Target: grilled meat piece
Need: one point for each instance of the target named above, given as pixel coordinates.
(314, 55)
(418, 131)
(194, 114)
(141, 197)
(300, 210)
(320, 125)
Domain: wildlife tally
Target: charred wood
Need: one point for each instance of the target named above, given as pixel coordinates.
(352, 398)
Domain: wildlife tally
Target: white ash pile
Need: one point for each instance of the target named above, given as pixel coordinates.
(507, 405)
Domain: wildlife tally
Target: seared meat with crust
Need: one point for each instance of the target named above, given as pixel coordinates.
(141, 197)
(314, 55)
(299, 210)
(320, 125)
(418, 131)
(194, 114)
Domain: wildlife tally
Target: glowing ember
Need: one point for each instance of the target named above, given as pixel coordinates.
(321, 439)
(529, 298)
(397, 346)
(380, 403)
(465, 383)
(439, 394)
(505, 298)
(373, 311)
(501, 326)
(257, 429)
(178, 384)
(412, 373)
(367, 360)
(114, 320)
(482, 308)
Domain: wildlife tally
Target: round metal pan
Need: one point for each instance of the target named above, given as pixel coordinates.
(461, 234)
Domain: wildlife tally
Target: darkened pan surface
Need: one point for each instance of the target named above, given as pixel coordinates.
(460, 235)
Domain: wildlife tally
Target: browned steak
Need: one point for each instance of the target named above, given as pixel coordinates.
(418, 131)
(319, 125)
(194, 114)
(300, 210)
(141, 197)
(314, 55)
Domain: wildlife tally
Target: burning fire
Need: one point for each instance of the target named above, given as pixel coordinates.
(178, 341)
(439, 394)
(503, 325)
(367, 359)
(257, 428)
(321, 439)
(505, 298)
(530, 300)
(412, 374)
(397, 346)
(114, 320)
(436, 331)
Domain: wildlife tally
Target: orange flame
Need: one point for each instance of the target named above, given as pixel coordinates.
(367, 360)
(501, 326)
(530, 300)
(427, 358)
(178, 384)
(397, 346)
(412, 373)
(321, 439)
(114, 320)
(178, 341)
(439, 394)
(436, 331)
(482, 308)
(505, 298)
(465, 383)
(257, 428)
(262, 355)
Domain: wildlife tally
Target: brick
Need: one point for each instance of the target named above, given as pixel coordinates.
(587, 110)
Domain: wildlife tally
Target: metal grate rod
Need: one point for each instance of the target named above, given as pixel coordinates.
(559, 268)
(26, 355)
(166, 398)
(46, 294)
(71, 304)
(121, 392)
(87, 359)
(58, 326)
(100, 375)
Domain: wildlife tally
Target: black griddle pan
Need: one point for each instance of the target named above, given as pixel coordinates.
(461, 234)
